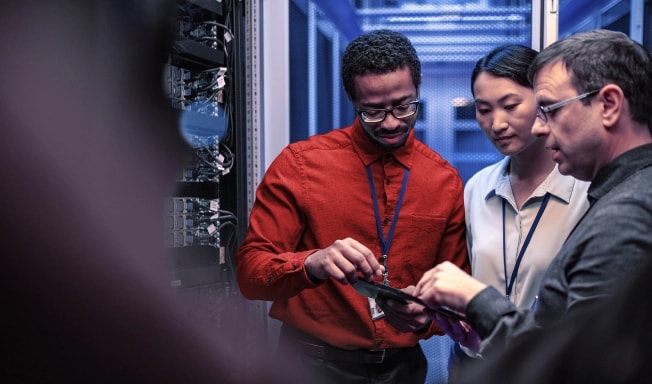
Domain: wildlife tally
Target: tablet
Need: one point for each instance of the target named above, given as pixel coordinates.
(375, 290)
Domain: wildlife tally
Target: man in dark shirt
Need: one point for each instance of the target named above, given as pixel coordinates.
(607, 344)
(594, 91)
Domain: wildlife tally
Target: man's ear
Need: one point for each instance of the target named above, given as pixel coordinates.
(613, 104)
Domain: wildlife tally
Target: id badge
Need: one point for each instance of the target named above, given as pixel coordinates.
(376, 311)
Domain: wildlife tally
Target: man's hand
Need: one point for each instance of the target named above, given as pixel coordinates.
(404, 316)
(342, 261)
(447, 285)
(458, 330)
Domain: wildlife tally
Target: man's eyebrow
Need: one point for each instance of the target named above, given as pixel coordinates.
(399, 101)
(542, 101)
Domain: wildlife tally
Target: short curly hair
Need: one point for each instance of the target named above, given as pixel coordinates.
(378, 52)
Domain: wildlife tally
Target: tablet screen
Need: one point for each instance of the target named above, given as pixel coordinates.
(375, 290)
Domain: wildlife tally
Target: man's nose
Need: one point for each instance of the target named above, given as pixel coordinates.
(539, 128)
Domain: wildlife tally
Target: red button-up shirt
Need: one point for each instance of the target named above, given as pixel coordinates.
(317, 191)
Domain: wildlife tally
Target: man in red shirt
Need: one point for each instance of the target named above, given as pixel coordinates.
(368, 201)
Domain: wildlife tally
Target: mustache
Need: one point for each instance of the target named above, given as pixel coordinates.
(385, 131)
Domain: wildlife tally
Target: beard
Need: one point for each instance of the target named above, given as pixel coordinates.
(389, 140)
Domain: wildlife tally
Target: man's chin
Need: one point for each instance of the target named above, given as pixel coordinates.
(564, 169)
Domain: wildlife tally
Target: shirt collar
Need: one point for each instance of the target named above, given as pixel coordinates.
(369, 151)
(555, 183)
(619, 169)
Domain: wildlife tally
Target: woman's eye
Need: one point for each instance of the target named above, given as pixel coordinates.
(511, 106)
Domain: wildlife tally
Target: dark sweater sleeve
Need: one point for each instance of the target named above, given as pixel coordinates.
(496, 319)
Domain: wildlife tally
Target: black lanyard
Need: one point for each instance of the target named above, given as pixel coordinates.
(386, 243)
(508, 287)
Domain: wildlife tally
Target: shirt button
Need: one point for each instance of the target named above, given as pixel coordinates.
(294, 266)
(386, 221)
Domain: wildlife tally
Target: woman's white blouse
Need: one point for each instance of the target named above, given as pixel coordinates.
(483, 196)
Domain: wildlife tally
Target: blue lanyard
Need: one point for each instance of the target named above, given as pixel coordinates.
(386, 243)
(508, 288)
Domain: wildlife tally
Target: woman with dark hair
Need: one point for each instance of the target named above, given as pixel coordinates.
(519, 210)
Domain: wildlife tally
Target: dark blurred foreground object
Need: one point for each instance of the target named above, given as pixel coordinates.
(608, 343)
(89, 150)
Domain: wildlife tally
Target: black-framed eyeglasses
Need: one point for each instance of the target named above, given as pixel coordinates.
(542, 111)
(400, 112)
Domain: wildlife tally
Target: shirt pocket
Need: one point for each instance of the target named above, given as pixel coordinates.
(424, 239)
